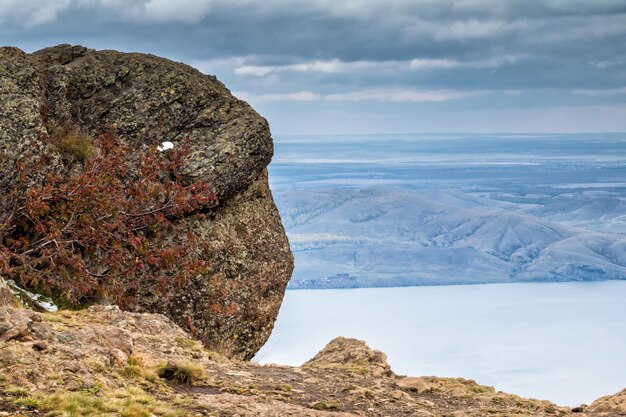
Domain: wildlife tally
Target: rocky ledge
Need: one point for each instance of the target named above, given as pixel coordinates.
(106, 362)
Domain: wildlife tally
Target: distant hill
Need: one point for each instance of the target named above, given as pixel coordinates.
(397, 236)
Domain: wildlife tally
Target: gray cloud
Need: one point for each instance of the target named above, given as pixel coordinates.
(398, 95)
(31, 13)
(528, 53)
(602, 92)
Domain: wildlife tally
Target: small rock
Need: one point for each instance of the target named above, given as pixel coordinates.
(4, 314)
(400, 395)
(40, 345)
(40, 330)
(73, 385)
(5, 327)
(72, 366)
(62, 337)
(88, 382)
(425, 403)
(117, 358)
(414, 384)
(7, 297)
(17, 332)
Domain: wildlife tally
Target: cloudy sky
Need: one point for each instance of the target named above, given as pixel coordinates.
(371, 66)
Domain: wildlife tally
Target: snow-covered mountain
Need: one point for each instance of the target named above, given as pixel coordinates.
(424, 211)
(390, 236)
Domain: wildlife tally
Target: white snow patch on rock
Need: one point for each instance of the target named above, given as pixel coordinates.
(165, 146)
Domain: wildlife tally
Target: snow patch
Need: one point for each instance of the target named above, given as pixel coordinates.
(38, 299)
(165, 146)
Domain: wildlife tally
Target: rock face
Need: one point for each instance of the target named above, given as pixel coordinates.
(20, 115)
(150, 100)
(610, 404)
(7, 298)
(351, 354)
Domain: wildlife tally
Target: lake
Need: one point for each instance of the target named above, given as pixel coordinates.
(564, 342)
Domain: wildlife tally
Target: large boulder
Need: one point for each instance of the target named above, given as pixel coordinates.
(351, 354)
(150, 100)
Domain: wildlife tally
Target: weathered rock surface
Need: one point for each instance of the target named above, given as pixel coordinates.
(20, 116)
(107, 360)
(7, 298)
(351, 354)
(150, 100)
(610, 404)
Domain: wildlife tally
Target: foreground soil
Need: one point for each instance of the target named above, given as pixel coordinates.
(105, 362)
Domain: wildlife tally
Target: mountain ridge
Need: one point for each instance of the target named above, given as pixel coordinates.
(387, 236)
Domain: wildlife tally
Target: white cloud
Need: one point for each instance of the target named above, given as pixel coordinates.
(158, 11)
(403, 95)
(31, 12)
(257, 71)
(336, 66)
(297, 96)
(478, 29)
(210, 66)
(418, 64)
(605, 64)
(379, 95)
(493, 62)
(602, 92)
(188, 11)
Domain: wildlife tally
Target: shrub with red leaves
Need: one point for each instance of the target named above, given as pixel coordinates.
(107, 226)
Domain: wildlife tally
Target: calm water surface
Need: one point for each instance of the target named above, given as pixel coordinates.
(565, 342)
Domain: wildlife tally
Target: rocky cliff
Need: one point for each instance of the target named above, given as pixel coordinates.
(106, 362)
(150, 100)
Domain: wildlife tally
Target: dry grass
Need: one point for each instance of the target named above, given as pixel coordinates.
(130, 403)
(73, 143)
(187, 373)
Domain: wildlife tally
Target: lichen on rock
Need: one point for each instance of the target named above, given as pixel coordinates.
(7, 297)
(149, 101)
(352, 355)
(610, 404)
